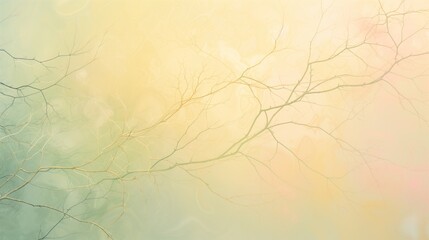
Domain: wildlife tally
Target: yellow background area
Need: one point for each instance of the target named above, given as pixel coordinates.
(154, 95)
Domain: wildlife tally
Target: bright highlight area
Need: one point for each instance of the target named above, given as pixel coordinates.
(214, 120)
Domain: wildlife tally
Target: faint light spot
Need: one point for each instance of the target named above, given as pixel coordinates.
(70, 7)
(410, 227)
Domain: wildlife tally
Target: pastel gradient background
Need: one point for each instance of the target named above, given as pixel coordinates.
(226, 120)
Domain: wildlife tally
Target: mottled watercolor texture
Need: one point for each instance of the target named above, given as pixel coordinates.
(214, 119)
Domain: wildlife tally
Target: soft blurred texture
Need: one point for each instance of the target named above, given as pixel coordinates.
(226, 120)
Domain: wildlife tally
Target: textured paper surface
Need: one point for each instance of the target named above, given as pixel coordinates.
(223, 120)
